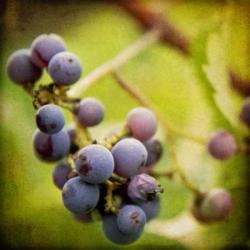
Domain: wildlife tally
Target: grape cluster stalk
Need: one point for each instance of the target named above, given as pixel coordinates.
(115, 177)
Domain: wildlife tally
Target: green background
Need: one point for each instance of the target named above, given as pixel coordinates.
(32, 211)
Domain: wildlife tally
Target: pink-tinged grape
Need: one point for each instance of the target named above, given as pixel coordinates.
(222, 145)
(80, 197)
(143, 187)
(65, 68)
(215, 205)
(21, 69)
(129, 155)
(44, 47)
(142, 123)
(90, 112)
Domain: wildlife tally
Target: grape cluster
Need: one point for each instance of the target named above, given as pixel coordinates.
(114, 177)
(111, 177)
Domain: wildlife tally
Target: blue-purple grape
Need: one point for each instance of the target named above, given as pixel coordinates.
(61, 174)
(222, 145)
(65, 68)
(21, 69)
(150, 208)
(142, 123)
(51, 147)
(143, 187)
(50, 119)
(44, 47)
(112, 232)
(71, 130)
(94, 163)
(131, 219)
(129, 155)
(90, 112)
(215, 205)
(80, 197)
(154, 149)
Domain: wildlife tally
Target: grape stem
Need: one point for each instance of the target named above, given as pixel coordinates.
(126, 55)
(143, 100)
(109, 205)
(171, 133)
(112, 140)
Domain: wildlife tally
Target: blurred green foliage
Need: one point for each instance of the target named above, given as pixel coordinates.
(32, 213)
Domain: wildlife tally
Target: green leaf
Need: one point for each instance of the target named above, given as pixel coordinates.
(217, 74)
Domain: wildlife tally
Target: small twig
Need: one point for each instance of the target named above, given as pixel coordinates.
(136, 48)
(109, 206)
(169, 174)
(112, 140)
(84, 137)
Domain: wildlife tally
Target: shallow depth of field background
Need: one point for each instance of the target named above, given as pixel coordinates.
(32, 213)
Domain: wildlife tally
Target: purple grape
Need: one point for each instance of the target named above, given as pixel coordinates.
(21, 69)
(90, 112)
(65, 68)
(143, 187)
(216, 205)
(222, 145)
(131, 219)
(150, 208)
(245, 112)
(61, 174)
(154, 149)
(71, 130)
(50, 119)
(94, 163)
(51, 147)
(112, 232)
(142, 123)
(44, 47)
(80, 197)
(129, 155)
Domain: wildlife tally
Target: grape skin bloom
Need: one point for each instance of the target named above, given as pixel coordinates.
(44, 47)
(80, 197)
(154, 149)
(142, 123)
(21, 69)
(129, 155)
(94, 163)
(112, 232)
(51, 147)
(150, 208)
(61, 173)
(65, 68)
(90, 112)
(131, 219)
(50, 119)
